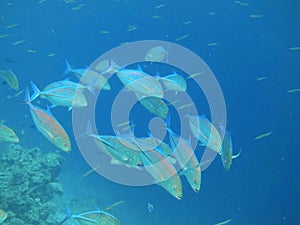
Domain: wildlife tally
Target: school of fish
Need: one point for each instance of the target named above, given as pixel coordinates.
(165, 160)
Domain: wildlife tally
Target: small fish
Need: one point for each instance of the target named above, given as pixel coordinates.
(150, 207)
(194, 75)
(224, 222)
(187, 22)
(156, 54)
(32, 51)
(104, 32)
(132, 27)
(263, 135)
(294, 90)
(261, 78)
(114, 205)
(157, 17)
(256, 16)
(182, 37)
(211, 13)
(41, 1)
(3, 215)
(241, 3)
(296, 48)
(212, 44)
(90, 171)
(4, 35)
(7, 134)
(51, 54)
(159, 6)
(17, 42)
(12, 25)
(49, 127)
(10, 77)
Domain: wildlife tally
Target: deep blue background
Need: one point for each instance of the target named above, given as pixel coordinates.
(263, 184)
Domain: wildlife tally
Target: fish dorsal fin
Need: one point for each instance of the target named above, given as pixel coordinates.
(237, 155)
(139, 68)
(49, 111)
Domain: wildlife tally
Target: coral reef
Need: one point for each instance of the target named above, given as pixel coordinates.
(28, 183)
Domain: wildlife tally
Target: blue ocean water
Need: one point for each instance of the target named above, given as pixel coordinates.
(262, 186)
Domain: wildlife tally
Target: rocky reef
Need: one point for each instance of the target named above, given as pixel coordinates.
(28, 183)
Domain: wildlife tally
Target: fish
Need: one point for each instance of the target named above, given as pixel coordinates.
(10, 77)
(212, 44)
(157, 17)
(4, 35)
(155, 105)
(140, 82)
(182, 37)
(3, 215)
(161, 169)
(261, 136)
(206, 132)
(7, 134)
(96, 217)
(61, 96)
(114, 205)
(32, 51)
(150, 207)
(187, 22)
(90, 171)
(241, 3)
(174, 82)
(224, 222)
(256, 16)
(119, 149)
(194, 75)
(12, 25)
(48, 126)
(261, 78)
(296, 48)
(159, 6)
(293, 90)
(186, 158)
(156, 54)
(17, 42)
(132, 27)
(104, 32)
(227, 149)
(51, 54)
(88, 77)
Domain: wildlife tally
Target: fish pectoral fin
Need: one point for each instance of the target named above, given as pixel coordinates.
(237, 155)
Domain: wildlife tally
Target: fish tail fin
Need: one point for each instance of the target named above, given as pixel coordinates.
(237, 155)
(36, 91)
(27, 97)
(68, 68)
(88, 130)
(68, 215)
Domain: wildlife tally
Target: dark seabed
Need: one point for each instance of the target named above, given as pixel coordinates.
(252, 48)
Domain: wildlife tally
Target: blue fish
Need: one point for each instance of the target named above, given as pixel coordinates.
(61, 95)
